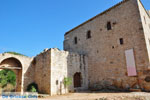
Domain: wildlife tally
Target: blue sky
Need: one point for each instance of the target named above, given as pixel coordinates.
(29, 26)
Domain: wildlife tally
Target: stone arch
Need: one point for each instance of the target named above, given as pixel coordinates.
(77, 79)
(16, 66)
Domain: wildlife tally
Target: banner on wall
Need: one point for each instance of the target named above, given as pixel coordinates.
(130, 62)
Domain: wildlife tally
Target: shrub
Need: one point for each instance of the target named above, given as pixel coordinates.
(67, 81)
(15, 53)
(33, 87)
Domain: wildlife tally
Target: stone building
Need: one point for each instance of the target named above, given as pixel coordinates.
(48, 70)
(117, 44)
(110, 50)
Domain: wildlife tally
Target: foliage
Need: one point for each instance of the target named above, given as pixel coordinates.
(67, 81)
(33, 87)
(7, 77)
(14, 53)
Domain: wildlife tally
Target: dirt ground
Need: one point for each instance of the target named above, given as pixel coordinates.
(101, 96)
(98, 96)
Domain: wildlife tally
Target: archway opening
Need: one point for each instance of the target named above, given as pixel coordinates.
(77, 80)
(14, 65)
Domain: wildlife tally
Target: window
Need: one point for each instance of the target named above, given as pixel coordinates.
(121, 41)
(56, 82)
(75, 40)
(97, 51)
(88, 35)
(108, 25)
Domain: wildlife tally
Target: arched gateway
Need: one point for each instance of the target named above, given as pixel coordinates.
(77, 80)
(16, 66)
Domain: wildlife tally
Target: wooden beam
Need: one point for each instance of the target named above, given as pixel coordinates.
(3, 67)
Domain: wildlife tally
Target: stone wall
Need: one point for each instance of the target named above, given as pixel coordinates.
(145, 20)
(106, 55)
(52, 66)
(59, 71)
(77, 63)
(65, 65)
(42, 75)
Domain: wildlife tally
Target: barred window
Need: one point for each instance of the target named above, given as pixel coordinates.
(88, 35)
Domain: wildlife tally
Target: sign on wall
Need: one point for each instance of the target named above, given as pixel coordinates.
(130, 62)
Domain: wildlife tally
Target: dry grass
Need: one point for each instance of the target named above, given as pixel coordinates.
(7, 88)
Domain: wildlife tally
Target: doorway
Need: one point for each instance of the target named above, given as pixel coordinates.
(77, 80)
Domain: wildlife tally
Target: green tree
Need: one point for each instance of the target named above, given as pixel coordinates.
(7, 77)
(67, 81)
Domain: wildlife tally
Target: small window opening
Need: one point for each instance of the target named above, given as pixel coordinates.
(88, 35)
(114, 23)
(113, 47)
(75, 40)
(121, 41)
(97, 51)
(109, 26)
(56, 82)
(111, 62)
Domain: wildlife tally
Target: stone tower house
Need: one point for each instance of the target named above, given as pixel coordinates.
(117, 44)
(110, 50)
